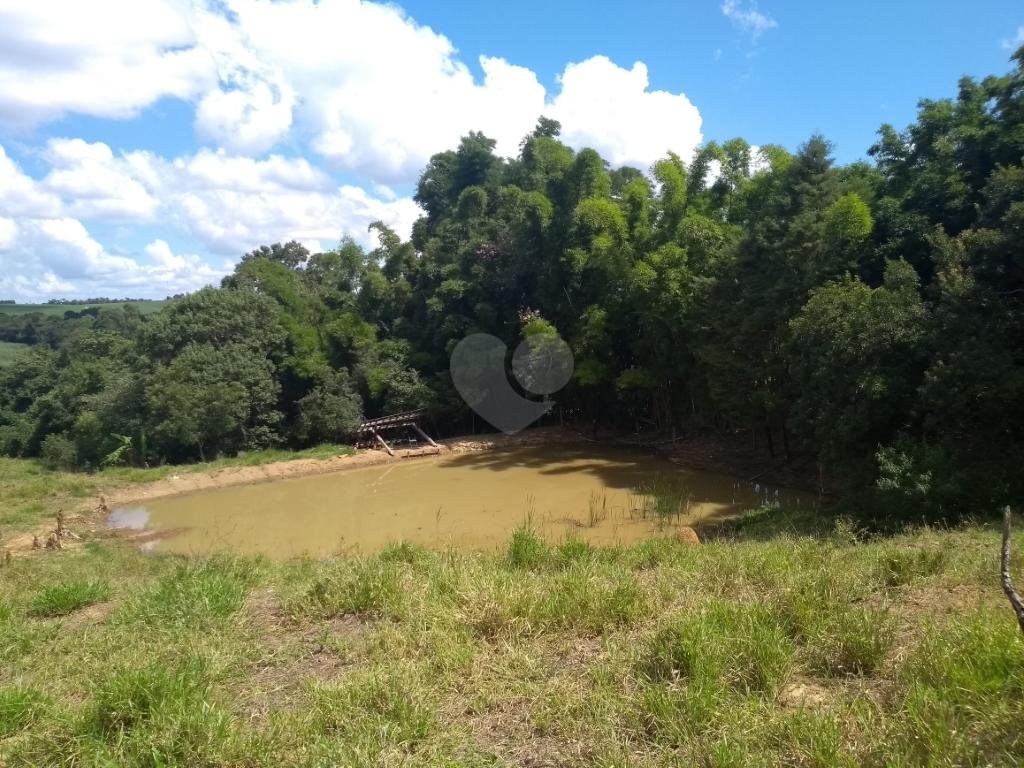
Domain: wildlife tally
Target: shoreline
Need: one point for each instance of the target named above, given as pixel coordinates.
(88, 519)
(227, 477)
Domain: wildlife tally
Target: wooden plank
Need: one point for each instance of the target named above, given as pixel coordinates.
(395, 419)
(423, 434)
(381, 441)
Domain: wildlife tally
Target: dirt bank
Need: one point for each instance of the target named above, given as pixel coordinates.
(278, 470)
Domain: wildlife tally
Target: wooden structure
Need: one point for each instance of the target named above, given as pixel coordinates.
(372, 428)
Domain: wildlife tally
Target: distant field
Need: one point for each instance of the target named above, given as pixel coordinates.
(145, 307)
(8, 350)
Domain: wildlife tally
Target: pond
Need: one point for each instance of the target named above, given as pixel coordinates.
(470, 501)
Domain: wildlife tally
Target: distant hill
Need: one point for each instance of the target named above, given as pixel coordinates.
(58, 310)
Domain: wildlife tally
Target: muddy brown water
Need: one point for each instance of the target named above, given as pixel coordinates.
(470, 501)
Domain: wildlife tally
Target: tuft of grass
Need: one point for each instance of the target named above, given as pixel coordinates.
(964, 695)
(663, 498)
(898, 567)
(132, 697)
(527, 549)
(677, 716)
(371, 714)
(851, 641)
(68, 597)
(195, 593)
(741, 647)
(369, 588)
(19, 708)
(158, 714)
(574, 550)
(580, 598)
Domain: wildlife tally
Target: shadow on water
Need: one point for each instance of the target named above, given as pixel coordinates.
(616, 468)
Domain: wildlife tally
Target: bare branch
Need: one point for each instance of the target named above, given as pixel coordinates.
(1011, 593)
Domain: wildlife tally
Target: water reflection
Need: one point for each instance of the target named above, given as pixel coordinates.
(130, 518)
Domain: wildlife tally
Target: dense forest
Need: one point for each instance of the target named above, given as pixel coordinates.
(870, 316)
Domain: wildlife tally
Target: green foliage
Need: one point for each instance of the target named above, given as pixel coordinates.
(195, 594)
(867, 318)
(526, 549)
(58, 452)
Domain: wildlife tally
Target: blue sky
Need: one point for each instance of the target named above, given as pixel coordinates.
(838, 68)
(144, 157)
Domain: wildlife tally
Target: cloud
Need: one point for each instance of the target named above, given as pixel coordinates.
(227, 203)
(1015, 42)
(104, 58)
(60, 257)
(20, 195)
(94, 186)
(747, 18)
(359, 83)
(611, 109)
(285, 95)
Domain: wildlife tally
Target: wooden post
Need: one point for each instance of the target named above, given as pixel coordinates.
(423, 434)
(1011, 593)
(381, 441)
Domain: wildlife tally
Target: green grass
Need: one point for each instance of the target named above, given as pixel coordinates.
(58, 310)
(67, 597)
(9, 350)
(652, 655)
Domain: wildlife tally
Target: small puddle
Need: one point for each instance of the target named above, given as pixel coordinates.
(468, 502)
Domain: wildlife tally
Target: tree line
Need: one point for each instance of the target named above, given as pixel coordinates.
(868, 315)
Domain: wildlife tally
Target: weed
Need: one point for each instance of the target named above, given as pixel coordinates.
(369, 588)
(897, 567)
(663, 498)
(737, 646)
(19, 708)
(196, 593)
(527, 549)
(67, 597)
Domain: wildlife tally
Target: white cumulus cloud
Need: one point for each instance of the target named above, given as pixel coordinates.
(1015, 42)
(286, 94)
(227, 203)
(611, 109)
(105, 58)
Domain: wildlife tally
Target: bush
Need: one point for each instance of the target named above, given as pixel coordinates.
(58, 452)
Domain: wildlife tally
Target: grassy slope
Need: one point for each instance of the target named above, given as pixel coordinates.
(58, 310)
(763, 649)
